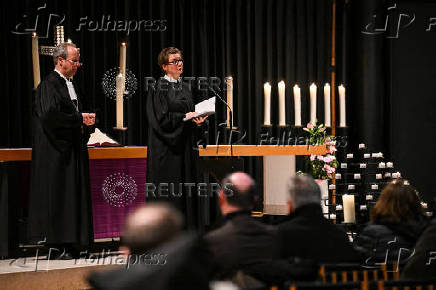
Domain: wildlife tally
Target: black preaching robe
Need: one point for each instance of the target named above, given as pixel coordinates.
(60, 202)
(171, 156)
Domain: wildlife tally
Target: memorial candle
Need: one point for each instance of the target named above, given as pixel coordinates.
(349, 210)
(282, 114)
(313, 89)
(267, 95)
(120, 100)
(327, 120)
(297, 105)
(342, 116)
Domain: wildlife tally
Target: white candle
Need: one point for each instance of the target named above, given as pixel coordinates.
(282, 115)
(343, 165)
(267, 112)
(123, 54)
(229, 85)
(367, 155)
(297, 105)
(350, 155)
(332, 186)
(362, 146)
(369, 197)
(35, 61)
(120, 100)
(338, 176)
(387, 174)
(327, 120)
(390, 165)
(356, 175)
(362, 165)
(381, 165)
(332, 216)
(363, 207)
(351, 187)
(349, 210)
(339, 207)
(374, 186)
(378, 176)
(313, 89)
(342, 116)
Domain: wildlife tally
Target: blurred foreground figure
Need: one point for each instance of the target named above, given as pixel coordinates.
(159, 255)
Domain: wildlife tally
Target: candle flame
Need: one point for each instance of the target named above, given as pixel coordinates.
(34, 34)
(69, 40)
(123, 43)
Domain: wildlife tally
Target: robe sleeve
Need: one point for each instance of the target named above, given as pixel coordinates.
(59, 126)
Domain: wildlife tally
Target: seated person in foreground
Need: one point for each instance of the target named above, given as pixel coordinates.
(307, 234)
(422, 265)
(242, 243)
(397, 221)
(159, 255)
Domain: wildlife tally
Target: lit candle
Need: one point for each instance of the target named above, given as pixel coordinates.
(381, 165)
(351, 187)
(123, 54)
(35, 60)
(344, 165)
(120, 100)
(327, 120)
(349, 210)
(369, 197)
(374, 186)
(339, 207)
(332, 186)
(390, 165)
(363, 207)
(342, 116)
(229, 85)
(378, 176)
(338, 176)
(350, 155)
(362, 146)
(297, 105)
(282, 115)
(363, 165)
(356, 175)
(69, 40)
(267, 94)
(313, 103)
(367, 155)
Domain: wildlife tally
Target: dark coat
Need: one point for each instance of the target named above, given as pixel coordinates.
(422, 265)
(181, 264)
(309, 236)
(60, 201)
(242, 243)
(382, 242)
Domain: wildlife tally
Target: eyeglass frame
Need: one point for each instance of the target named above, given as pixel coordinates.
(176, 61)
(74, 62)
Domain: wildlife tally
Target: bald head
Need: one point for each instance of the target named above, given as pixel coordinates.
(150, 226)
(238, 188)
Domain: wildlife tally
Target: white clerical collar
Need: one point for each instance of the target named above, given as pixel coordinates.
(170, 79)
(62, 75)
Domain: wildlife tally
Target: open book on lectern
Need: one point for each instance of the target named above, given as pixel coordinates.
(205, 108)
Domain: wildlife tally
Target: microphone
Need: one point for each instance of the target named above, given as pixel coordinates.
(230, 121)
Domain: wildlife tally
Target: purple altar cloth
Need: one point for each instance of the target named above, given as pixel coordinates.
(117, 188)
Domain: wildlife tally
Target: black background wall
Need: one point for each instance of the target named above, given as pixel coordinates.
(391, 79)
(390, 82)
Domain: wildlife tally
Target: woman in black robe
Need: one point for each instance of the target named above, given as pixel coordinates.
(172, 155)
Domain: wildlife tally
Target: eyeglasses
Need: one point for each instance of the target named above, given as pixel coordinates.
(75, 62)
(176, 62)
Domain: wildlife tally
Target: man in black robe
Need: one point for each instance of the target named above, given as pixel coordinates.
(60, 203)
(171, 158)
